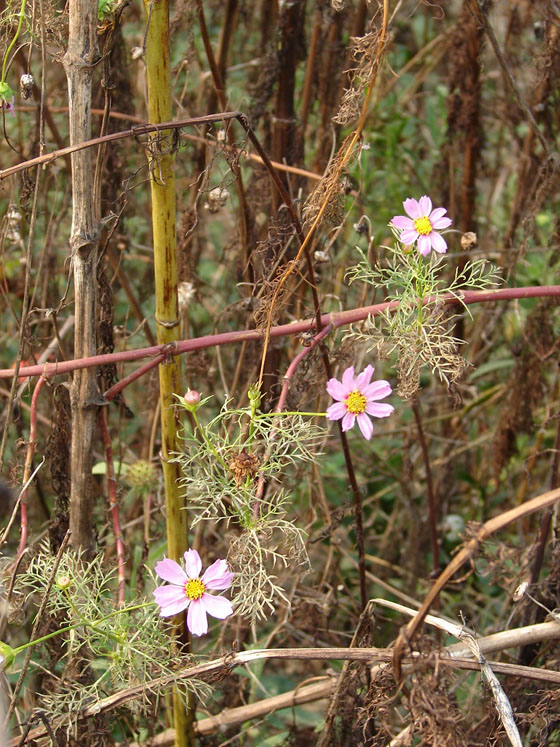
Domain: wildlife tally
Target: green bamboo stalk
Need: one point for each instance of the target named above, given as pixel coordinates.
(162, 181)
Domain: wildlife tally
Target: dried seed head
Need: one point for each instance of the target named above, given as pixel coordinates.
(519, 593)
(186, 293)
(217, 198)
(142, 475)
(13, 223)
(26, 83)
(244, 465)
(469, 240)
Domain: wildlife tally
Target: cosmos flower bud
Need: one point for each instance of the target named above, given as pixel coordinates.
(192, 397)
(63, 581)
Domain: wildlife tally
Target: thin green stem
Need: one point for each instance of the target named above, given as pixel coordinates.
(208, 442)
(293, 412)
(83, 621)
(14, 40)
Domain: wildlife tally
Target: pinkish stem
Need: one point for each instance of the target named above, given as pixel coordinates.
(337, 319)
(113, 503)
(120, 385)
(281, 402)
(28, 463)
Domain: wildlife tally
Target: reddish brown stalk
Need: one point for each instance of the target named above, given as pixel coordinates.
(432, 504)
(113, 505)
(288, 376)
(123, 383)
(28, 463)
(337, 319)
(280, 406)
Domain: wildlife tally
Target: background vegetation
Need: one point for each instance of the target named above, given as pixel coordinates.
(458, 100)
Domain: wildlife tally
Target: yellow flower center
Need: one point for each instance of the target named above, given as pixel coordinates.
(194, 588)
(423, 226)
(356, 402)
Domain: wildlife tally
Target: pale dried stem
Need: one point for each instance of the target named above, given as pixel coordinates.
(459, 656)
(79, 62)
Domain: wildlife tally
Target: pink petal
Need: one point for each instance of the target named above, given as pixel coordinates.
(219, 607)
(363, 379)
(366, 426)
(337, 390)
(401, 221)
(424, 245)
(348, 421)
(379, 409)
(171, 599)
(193, 564)
(408, 237)
(377, 390)
(438, 242)
(412, 208)
(197, 622)
(217, 576)
(348, 381)
(425, 205)
(441, 223)
(171, 571)
(336, 411)
(437, 213)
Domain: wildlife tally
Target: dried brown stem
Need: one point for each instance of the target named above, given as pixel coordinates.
(237, 715)
(432, 503)
(468, 552)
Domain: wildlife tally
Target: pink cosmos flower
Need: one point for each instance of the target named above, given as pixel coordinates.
(356, 400)
(422, 225)
(188, 591)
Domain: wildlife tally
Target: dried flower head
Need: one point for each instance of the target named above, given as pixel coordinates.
(188, 591)
(357, 400)
(26, 83)
(142, 475)
(217, 198)
(469, 240)
(422, 225)
(244, 465)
